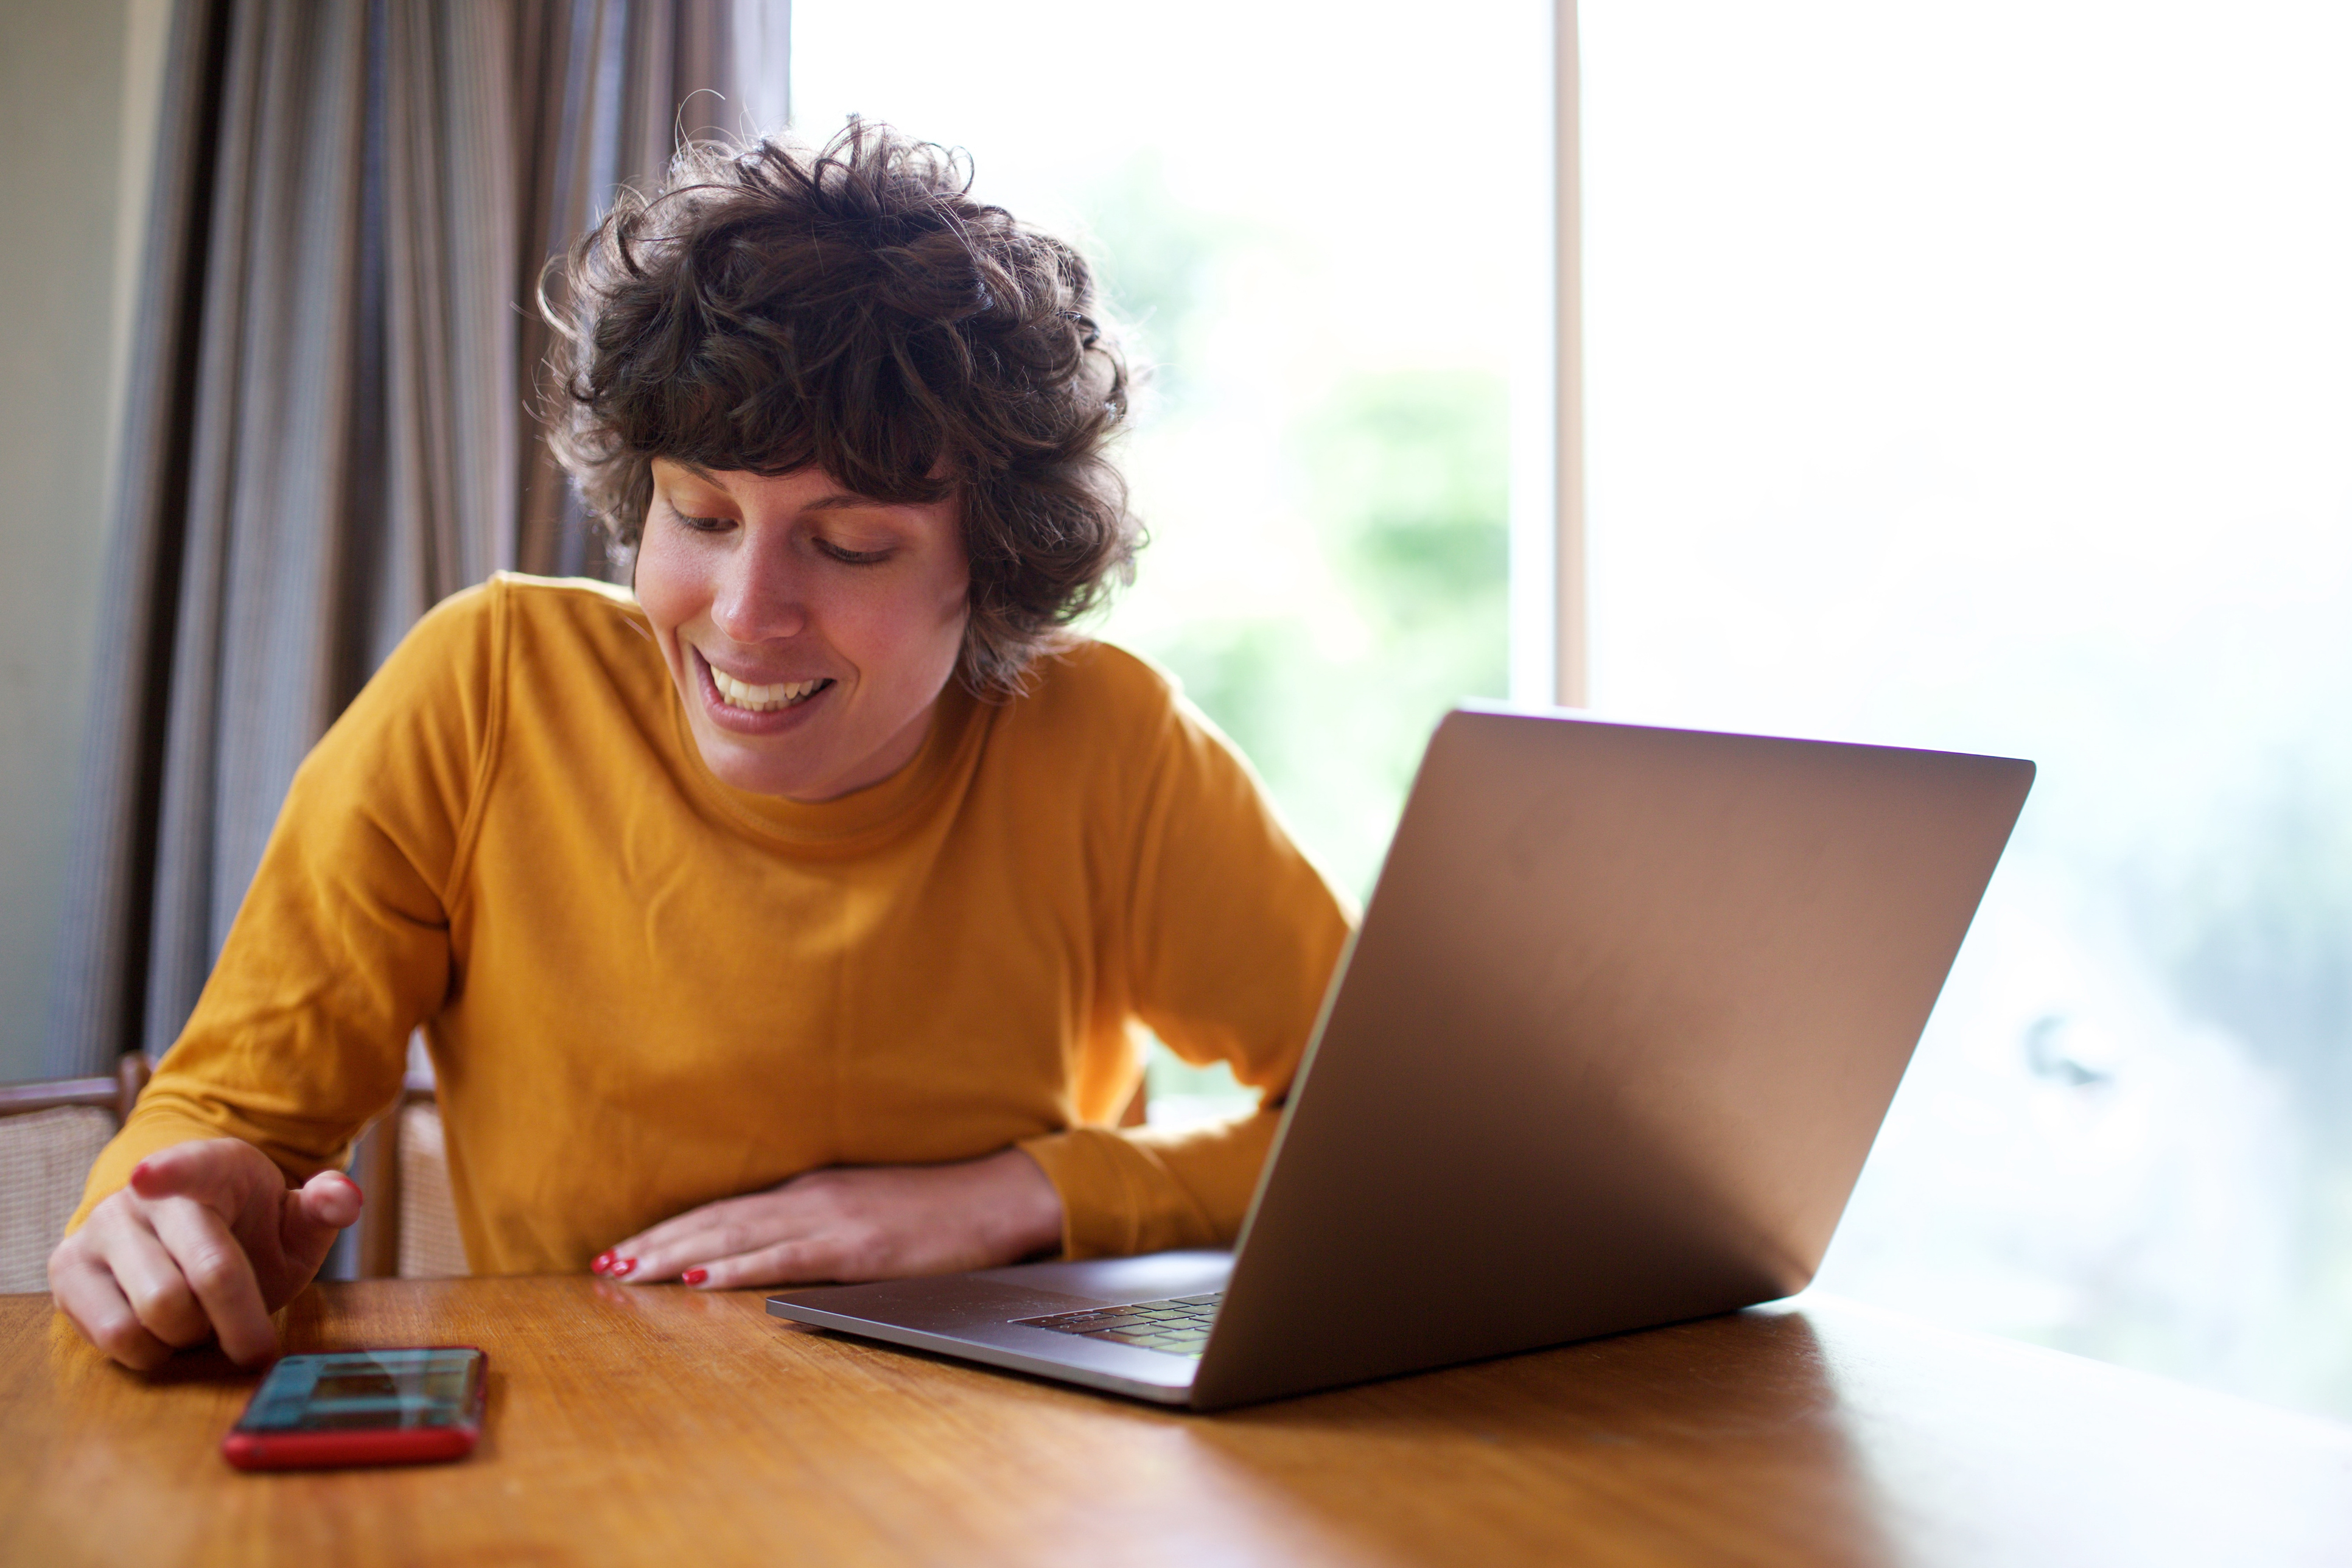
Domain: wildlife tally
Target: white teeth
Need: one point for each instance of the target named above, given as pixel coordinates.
(761, 698)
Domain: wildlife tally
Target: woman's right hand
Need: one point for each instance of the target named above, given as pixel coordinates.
(205, 1242)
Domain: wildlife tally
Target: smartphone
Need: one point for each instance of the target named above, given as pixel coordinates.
(361, 1408)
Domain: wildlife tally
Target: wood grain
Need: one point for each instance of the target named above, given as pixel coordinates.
(633, 1425)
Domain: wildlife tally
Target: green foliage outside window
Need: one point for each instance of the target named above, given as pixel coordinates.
(1399, 476)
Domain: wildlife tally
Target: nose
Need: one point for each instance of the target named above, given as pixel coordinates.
(761, 594)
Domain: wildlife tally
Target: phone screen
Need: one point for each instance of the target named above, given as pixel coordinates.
(367, 1391)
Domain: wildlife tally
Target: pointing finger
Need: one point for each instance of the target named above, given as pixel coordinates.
(219, 1172)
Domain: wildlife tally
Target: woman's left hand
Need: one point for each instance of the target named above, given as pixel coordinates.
(851, 1223)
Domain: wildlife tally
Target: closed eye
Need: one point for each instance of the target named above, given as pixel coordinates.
(831, 551)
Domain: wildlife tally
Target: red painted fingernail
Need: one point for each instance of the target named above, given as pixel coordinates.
(604, 1262)
(624, 1266)
(695, 1275)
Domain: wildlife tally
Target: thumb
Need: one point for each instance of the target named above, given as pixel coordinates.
(315, 1212)
(331, 1199)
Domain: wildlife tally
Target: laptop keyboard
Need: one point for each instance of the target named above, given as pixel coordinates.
(1179, 1326)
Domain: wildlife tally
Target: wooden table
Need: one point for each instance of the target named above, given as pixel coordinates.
(654, 1423)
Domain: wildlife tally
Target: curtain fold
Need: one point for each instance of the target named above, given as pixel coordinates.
(623, 80)
(328, 426)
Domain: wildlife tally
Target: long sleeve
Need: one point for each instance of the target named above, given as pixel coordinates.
(341, 945)
(1229, 940)
(644, 991)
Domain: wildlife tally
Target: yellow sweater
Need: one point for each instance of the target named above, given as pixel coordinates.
(644, 990)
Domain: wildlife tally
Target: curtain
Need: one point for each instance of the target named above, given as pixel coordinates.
(329, 421)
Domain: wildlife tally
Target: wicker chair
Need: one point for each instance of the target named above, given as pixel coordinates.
(50, 1134)
(408, 1229)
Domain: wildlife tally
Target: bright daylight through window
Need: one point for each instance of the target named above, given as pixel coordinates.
(1324, 228)
(1968, 377)
(1976, 376)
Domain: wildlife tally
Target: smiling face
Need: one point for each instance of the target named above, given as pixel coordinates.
(809, 630)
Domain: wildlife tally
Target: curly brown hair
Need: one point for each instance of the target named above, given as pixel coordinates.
(770, 307)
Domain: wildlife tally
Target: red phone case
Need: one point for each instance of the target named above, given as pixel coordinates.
(386, 1446)
(329, 1450)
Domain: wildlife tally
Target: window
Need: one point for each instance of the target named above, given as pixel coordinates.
(1976, 377)
(1327, 226)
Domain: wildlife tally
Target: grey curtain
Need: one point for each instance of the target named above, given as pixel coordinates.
(328, 426)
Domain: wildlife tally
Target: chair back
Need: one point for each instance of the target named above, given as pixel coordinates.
(50, 1135)
(408, 1228)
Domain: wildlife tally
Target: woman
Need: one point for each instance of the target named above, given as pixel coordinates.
(790, 920)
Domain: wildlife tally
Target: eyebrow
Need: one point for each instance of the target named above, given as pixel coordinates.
(840, 500)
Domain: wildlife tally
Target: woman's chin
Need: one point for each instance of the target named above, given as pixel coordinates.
(811, 752)
(787, 769)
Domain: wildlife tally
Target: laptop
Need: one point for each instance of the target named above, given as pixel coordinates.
(1624, 1014)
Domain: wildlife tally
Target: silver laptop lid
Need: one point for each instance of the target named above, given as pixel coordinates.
(1626, 1010)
